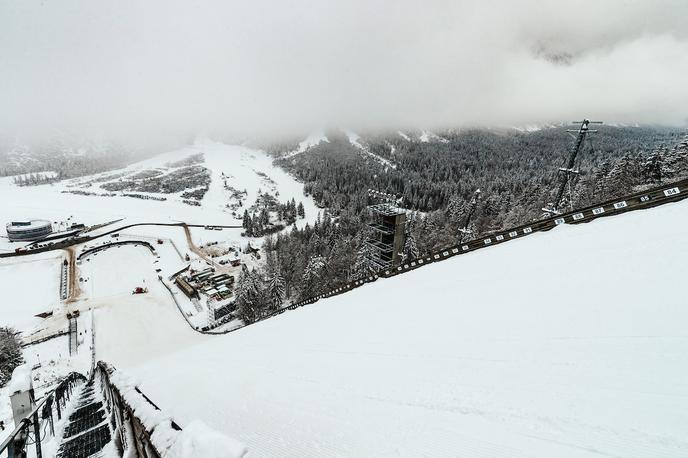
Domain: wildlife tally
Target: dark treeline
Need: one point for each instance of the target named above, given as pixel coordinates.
(33, 179)
(66, 163)
(516, 172)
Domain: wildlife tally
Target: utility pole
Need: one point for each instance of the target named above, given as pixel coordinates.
(565, 173)
(464, 231)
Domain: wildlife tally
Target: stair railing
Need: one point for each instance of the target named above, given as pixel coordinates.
(28, 432)
(131, 433)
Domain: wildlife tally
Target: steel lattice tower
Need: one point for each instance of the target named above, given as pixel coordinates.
(565, 173)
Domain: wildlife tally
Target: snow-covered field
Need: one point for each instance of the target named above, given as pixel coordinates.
(152, 322)
(570, 343)
(244, 169)
(30, 285)
(136, 327)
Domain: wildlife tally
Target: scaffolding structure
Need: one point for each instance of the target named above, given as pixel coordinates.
(387, 231)
(567, 173)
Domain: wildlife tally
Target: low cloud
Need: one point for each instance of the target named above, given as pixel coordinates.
(164, 71)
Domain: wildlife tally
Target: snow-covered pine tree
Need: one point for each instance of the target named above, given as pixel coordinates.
(10, 354)
(264, 217)
(455, 209)
(247, 296)
(410, 247)
(311, 282)
(247, 223)
(276, 289)
(652, 166)
(361, 266)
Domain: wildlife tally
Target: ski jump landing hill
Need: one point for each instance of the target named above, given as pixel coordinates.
(565, 343)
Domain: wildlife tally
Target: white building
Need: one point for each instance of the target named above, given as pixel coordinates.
(28, 230)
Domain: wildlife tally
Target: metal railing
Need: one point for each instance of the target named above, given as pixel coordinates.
(40, 420)
(131, 432)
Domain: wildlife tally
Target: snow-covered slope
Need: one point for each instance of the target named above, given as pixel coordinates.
(312, 140)
(237, 175)
(357, 141)
(570, 343)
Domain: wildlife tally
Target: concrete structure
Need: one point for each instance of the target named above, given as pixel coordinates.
(21, 393)
(18, 231)
(387, 235)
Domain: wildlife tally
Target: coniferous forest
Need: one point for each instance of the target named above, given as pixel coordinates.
(517, 173)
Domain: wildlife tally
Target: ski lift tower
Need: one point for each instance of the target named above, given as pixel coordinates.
(387, 230)
(566, 173)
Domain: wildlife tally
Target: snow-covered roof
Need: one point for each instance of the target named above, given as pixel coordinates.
(27, 225)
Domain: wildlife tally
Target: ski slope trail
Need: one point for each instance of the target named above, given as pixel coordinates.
(568, 343)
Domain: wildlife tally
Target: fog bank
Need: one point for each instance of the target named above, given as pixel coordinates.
(167, 70)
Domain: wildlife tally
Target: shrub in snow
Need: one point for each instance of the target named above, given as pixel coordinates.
(10, 354)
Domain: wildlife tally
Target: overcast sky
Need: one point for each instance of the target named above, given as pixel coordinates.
(136, 70)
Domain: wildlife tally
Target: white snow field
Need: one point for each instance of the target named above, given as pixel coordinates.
(571, 343)
(137, 327)
(243, 168)
(30, 285)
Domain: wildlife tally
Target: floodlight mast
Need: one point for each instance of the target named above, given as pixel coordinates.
(567, 171)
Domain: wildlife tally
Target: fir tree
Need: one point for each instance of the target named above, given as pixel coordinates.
(10, 354)
(410, 248)
(276, 289)
(312, 276)
(247, 223)
(247, 296)
(301, 211)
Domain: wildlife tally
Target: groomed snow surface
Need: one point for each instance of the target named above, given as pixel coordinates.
(30, 285)
(570, 343)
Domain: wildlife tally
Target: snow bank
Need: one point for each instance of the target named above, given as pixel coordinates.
(21, 379)
(195, 441)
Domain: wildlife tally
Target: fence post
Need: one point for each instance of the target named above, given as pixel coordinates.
(16, 448)
(48, 413)
(37, 435)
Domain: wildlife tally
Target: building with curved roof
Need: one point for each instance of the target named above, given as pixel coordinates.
(18, 231)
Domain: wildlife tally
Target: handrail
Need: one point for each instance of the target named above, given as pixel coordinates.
(16, 442)
(133, 431)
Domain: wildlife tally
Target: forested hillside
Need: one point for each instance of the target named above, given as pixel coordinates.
(437, 175)
(66, 162)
